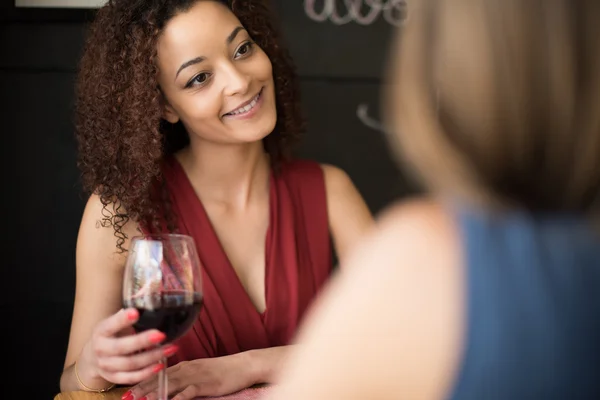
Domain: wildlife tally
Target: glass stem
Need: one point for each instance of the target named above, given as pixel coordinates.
(163, 392)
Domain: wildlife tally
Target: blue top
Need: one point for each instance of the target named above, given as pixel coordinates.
(533, 319)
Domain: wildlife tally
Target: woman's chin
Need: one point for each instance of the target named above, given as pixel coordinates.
(252, 131)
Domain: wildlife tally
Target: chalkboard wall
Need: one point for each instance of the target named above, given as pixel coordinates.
(340, 49)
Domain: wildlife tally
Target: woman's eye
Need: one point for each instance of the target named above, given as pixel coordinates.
(199, 79)
(244, 49)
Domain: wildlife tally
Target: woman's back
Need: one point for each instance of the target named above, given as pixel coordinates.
(533, 307)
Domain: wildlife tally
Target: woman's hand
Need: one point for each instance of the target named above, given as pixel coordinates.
(213, 376)
(116, 354)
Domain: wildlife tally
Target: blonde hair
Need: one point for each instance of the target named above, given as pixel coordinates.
(499, 101)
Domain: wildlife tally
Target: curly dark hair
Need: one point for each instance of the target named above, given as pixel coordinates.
(121, 135)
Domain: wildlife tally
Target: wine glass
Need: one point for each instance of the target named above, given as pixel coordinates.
(163, 282)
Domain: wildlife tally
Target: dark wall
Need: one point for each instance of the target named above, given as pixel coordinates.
(341, 60)
(38, 51)
(341, 67)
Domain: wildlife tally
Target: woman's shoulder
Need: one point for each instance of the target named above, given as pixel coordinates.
(328, 174)
(413, 227)
(97, 235)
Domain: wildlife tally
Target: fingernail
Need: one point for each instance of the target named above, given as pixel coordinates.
(127, 395)
(170, 350)
(132, 315)
(157, 337)
(158, 367)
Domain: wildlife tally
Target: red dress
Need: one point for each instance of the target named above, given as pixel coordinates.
(298, 263)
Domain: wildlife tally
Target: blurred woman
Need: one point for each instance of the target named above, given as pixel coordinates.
(490, 287)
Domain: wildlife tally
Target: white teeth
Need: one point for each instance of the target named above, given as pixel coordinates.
(247, 108)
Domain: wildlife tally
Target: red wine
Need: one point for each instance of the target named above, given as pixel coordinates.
(172, 313)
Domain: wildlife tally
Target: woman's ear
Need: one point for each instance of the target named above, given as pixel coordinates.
(168, 113)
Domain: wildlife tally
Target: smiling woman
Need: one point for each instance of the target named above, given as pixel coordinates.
(186, 116)
(226, 94)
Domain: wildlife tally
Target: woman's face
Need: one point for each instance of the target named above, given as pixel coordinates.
(214, 78)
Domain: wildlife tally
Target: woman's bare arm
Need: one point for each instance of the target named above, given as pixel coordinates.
(99, 276)
(349, 216)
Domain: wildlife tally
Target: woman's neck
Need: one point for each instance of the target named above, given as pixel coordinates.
(231, 175)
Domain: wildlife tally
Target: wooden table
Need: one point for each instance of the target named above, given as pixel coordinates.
(253, 393)
(114, 394)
